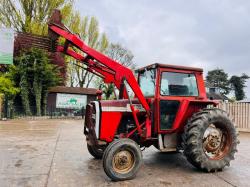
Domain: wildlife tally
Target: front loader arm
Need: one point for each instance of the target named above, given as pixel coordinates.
(100, 71)
(96, 62)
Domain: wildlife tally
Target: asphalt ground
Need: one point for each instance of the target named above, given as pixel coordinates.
(53, 153)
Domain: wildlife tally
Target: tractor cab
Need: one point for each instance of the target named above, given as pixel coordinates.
(168, 80)
(170, 89)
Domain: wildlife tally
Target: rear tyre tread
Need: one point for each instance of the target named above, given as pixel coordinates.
(192, 139)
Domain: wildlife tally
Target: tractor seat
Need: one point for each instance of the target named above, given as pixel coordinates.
(181, 90)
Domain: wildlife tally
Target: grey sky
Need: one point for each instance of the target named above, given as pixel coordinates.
(206, 34)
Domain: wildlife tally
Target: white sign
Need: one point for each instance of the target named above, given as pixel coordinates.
(6, 46)
(71, 101)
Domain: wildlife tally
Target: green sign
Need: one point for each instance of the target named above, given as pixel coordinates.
(6, 46)
(71, 101)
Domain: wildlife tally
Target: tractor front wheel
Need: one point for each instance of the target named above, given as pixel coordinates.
(122, 159)
(210, 140)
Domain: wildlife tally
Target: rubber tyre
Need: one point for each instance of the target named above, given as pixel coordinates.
(96, 153)
(193, 139)
(116, 146)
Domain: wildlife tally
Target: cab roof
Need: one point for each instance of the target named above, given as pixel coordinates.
(156, 65)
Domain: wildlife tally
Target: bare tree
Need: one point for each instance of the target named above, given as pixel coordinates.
(121, 55)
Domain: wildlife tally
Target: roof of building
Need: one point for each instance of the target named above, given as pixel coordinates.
(73, 90)
(171, 67)
(27, 40)
(216, 96)
(209, 85)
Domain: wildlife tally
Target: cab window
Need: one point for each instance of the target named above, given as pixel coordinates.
(147, 82)
(178, 84)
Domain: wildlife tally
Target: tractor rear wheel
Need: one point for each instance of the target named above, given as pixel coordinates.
(122, 159)
(97, 153)
(210, 140)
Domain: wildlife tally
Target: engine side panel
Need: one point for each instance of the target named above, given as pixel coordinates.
(110, 121)
(112, 115)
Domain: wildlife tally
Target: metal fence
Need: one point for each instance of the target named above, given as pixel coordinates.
(65, 113)
(50, 113)
(1, 109)
(240, 112)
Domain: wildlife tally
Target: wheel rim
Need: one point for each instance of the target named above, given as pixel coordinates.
(123, 161)
(216, 141)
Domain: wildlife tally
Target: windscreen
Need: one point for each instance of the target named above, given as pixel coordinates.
(178, 84)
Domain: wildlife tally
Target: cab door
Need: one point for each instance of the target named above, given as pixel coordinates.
(176, 87)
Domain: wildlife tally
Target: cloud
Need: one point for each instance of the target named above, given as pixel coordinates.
(207, 34)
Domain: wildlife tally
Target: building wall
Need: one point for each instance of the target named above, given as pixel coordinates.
(51, 101)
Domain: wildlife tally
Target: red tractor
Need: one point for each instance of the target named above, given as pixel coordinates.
(169, 110)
